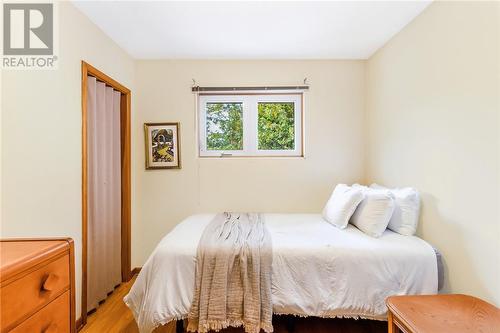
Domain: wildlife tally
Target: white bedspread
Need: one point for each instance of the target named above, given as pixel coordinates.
(318, 270)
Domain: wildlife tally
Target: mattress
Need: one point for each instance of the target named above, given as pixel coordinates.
(318, 270)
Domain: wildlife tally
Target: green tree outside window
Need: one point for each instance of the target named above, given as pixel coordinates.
(276, 129)
(224, 126)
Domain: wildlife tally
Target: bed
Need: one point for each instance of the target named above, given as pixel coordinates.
(317, 270)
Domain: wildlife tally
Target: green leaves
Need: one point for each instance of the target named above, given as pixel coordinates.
(224, 126)
(276, 126)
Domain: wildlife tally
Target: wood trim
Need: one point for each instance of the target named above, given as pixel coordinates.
(84, 194)
(126, 187)
(78, 324)
(92, 71)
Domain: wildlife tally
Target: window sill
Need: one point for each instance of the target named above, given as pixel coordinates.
(261, 157)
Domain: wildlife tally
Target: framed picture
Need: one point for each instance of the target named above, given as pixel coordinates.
(162, 146)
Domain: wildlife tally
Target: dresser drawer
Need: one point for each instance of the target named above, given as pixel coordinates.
(22, 297)
(53, 318)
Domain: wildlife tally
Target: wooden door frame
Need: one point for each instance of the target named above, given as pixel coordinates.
(125, 107)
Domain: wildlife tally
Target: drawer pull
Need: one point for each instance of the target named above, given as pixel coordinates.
(52, 328)
(50, 282)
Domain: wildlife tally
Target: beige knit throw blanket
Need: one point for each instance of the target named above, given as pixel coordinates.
(233, 275)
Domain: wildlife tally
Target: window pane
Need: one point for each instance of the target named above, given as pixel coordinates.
(224, 126)
(276, 126)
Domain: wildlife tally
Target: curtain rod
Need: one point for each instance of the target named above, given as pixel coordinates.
(201, 89)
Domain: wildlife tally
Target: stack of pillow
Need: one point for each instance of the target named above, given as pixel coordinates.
(373, 209)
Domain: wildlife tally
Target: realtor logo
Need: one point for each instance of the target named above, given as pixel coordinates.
(28, 36)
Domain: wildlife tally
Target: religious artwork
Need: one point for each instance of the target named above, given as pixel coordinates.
(162, 146)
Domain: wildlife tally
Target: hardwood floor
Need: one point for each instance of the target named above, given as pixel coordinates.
(114, 316)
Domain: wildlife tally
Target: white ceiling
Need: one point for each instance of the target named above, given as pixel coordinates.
(251, 29)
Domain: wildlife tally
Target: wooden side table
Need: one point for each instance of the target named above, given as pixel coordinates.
(441, 313)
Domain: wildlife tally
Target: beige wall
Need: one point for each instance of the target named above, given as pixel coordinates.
(334, 143)
(433, 123)
(431, 115)
(41, 134)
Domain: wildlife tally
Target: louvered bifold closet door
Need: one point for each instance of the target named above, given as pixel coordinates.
(104, 191)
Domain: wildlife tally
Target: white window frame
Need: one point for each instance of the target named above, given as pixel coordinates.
(250, 123)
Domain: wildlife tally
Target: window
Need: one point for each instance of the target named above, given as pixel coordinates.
(250, 125)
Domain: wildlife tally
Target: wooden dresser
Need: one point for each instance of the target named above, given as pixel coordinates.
(37, 286)
(441, 314)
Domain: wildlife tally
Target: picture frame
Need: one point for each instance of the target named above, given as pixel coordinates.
(162, 145)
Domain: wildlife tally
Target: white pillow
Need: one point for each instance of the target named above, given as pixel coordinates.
(404, 220)
(374, 212)
(342, 204)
